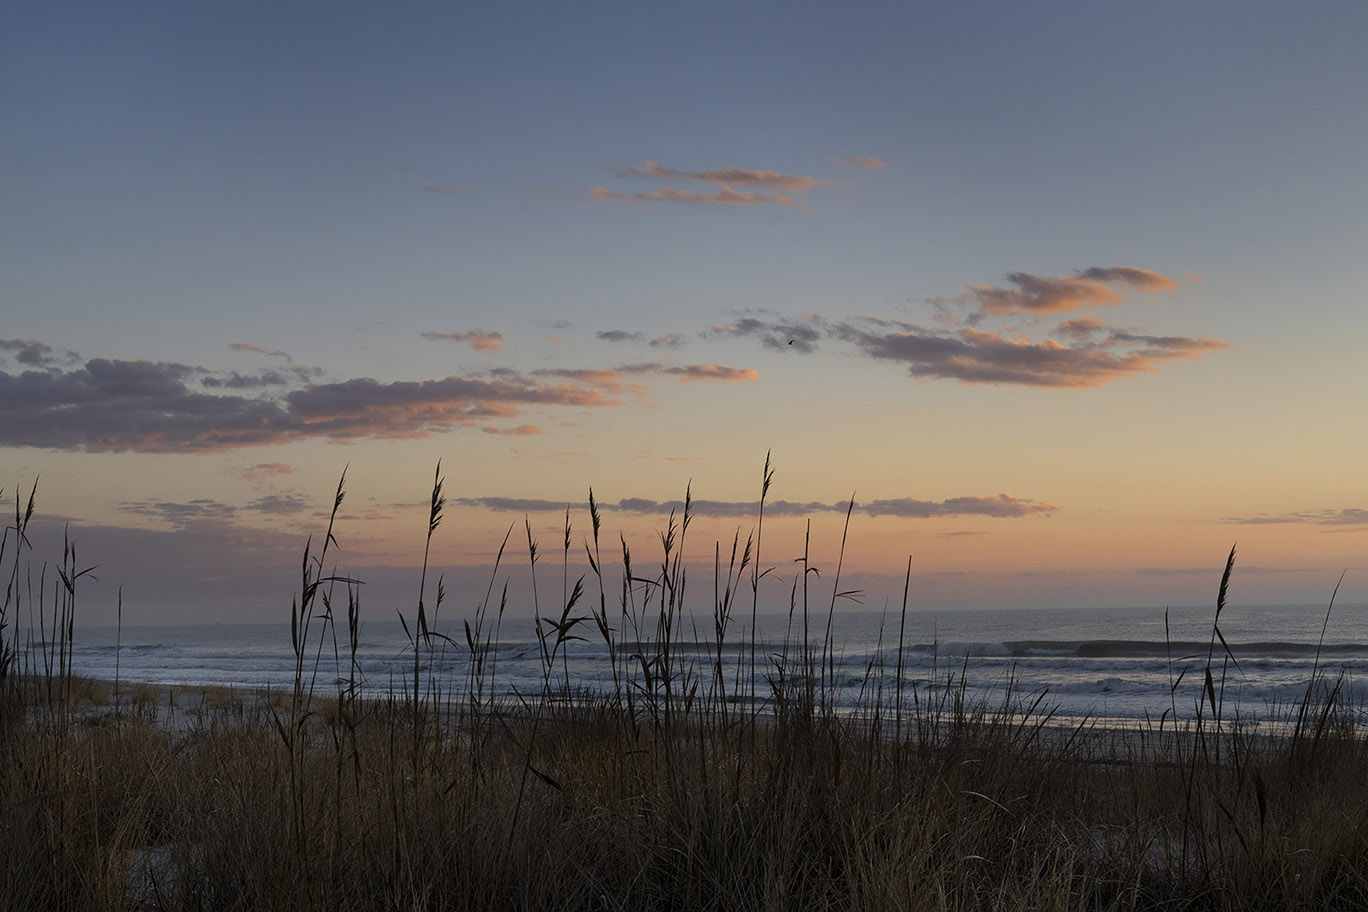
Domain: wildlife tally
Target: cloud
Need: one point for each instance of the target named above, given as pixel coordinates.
(725, 196)
(444, 188)
(512, 504)
(1139, 279)
(366, 407)
(777, 332)
(261, 470)
(724, 177)
(612, 379)
(720, 508)
(1352, 516)
(1098, 353)
(179, 514)
(290, 376)
(32, 353)
(253, 347)
(156, 407)
(973, 356)
(667, 340)
(482, 340)
(1081, 329)
(522, 430)
(958, 349)
(620, 335)
(859, 161)
(1001, 506)
(705, 372)
(282, 504)
(609, 379)
(1048, 294)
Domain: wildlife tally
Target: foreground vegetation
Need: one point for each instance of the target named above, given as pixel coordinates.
(681, 789)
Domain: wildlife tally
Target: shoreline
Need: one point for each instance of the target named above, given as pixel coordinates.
(179, 709)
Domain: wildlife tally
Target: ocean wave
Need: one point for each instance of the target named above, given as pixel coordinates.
(1139, 649)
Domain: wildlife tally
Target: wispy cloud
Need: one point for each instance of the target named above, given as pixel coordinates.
(1001, 506)
(692, 373)
(620, 335)
(289, 376)
(800, 334)
(1095, 285)
(610, 379)
(974, 356)
(521, 430)
(959, 348)
(32, 353)
(667, 340)
(1084, 328)
(260, 471)
(860, 161)
(1139, 279)
(613, 380)
(446, 188)
(179, 513)
(253, 347)
(971, 355)
(725, 196)
(725, 177)
(282, 504)
(1351, 516)
(482, 340)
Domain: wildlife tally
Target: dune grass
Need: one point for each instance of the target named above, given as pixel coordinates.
(680, 789)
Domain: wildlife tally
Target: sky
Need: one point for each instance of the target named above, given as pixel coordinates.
(1066, 298)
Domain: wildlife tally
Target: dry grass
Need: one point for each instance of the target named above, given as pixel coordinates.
(660, 795)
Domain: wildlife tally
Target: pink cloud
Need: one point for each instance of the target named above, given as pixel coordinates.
(253, 347)
(709, 372)
(1000, 506)
(973, 356)
(612, 380)
(482, 340)
(1045, 294)
(522, 430)
(1349, 516)
(747, 177)
(859, 161)
(1082, 328)
(725, 196)
(262, 470)
(608, 379)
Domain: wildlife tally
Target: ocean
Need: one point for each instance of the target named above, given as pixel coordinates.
(1117, 666)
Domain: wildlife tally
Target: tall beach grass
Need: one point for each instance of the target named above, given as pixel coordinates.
(686, 785)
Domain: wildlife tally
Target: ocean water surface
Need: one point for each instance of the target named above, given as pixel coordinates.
(1118, 665)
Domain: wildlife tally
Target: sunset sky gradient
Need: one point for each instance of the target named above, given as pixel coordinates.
(1068, 297)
